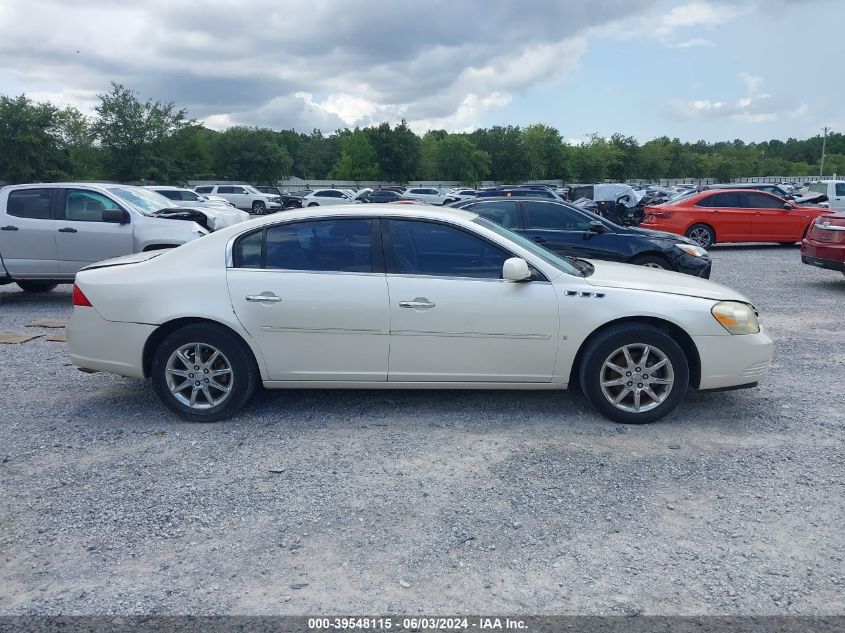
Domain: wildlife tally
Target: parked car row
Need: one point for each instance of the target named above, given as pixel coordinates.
(48, 231)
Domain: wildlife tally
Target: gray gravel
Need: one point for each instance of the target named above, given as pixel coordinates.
(412, 502)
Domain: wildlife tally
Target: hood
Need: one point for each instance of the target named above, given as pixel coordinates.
(630, 277)
(658, 235)
(220, 217)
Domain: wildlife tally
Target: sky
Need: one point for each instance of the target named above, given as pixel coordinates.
(704, 69)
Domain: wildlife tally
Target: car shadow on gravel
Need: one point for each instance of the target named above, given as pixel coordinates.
(56, 297)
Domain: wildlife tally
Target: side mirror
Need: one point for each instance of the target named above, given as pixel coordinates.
(515, 269)
(115, 216)
(788, 206)
(597, 227)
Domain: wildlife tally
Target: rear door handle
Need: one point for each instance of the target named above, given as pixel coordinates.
(67, 229)
(419, 303)
(9, 228)
(539, 239)
(268, 298)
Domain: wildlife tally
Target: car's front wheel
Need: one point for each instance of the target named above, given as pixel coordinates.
(204, 372)
(651, 261)
(259, 208)
(634, 373)
(36, 286)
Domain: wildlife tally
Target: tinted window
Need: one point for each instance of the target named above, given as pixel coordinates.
(322, 194)
(189, 195)
(427, 248)
(416, 190)
(29, 203)
(87, 206)
(542, 215)
(840, 188)
(248, 251)
(204, 189)
(722, 200)
(170, 194)
(761, 201)
(225, 190)
(324, 245)
(238, 190)
(501, 212)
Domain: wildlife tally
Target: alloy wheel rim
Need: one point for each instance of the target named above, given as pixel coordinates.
(700, 237)
(637, 378)
(653, 265)
(199, 376)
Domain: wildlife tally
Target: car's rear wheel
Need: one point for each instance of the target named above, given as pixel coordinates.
(702, 234)
(36, 286)
(651, 261)
(634, 374)
(203, 372)
(259, 208)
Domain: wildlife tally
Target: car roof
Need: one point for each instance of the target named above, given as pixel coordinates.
(166, 188)
(369, 210)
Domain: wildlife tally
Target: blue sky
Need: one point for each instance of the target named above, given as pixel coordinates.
(695, 69)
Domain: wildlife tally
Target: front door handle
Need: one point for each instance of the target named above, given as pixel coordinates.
(539, 239)
(9, 228)
(420, 303)
(268, 298)
(67, 229)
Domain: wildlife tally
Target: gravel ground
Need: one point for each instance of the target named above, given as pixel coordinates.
(425, 502)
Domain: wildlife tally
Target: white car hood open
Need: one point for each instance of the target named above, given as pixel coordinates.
(629, 276)
(220, 217)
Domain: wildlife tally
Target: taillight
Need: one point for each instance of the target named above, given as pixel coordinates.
(79, 298)
(662, 214)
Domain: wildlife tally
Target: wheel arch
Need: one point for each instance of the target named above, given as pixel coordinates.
(163, 330)
(678, 333)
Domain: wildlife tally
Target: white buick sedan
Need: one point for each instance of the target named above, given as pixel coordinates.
(403, 297)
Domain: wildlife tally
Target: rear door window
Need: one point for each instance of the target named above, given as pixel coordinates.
(337, 245)
(553, 217)
(29, 203)
(752, 200)
(501, 212)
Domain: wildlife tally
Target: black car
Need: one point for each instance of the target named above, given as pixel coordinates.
(288, 201)
(568, 230)
(381, 195)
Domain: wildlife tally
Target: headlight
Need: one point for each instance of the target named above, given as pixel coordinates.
(692, 249)
(736, 317)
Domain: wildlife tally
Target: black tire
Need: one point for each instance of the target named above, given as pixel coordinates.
(36, 286)
(787, 243)
(652, 261)
(259, 208)
(244, 372)
(702, 230)
(600, 349)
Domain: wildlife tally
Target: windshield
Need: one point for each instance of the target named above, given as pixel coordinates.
(251, 189)
(546, 255)
(143, 200)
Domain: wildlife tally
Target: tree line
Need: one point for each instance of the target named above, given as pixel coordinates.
(128, 139)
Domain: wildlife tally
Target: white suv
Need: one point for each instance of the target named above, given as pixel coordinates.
(244, 197)
(329, 196)
(429, 195)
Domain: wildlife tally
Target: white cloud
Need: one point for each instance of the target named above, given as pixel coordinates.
(755, 107)
(693, 43)
(263, 61)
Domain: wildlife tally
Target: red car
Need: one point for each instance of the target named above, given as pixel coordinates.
(733, 215)
(824, 245)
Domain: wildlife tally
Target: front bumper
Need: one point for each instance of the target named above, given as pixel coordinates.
(733, 360)
(695, 266)
(823, 255)
(111, 346)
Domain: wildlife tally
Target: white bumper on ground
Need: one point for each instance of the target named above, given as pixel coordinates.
(112, 346)
(731, 361)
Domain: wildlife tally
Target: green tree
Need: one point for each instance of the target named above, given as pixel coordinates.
(543, 152)
(79, 142)
(252, 154)
(132, 134)
(30, 141)
(358, 160)
(397, 151)
(457, 158)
